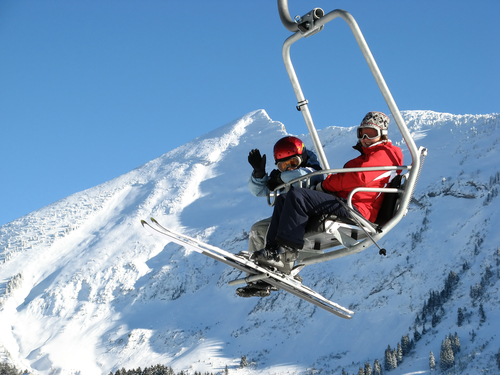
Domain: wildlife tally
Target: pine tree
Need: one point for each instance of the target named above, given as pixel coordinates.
(460, 317)
(455, 343)
(432, 361)
(486, 277)
(343, 372)
(368, 369)
(465, 266)
(399, 354)
(6, 369)
(451, 283)
(416, 335)
(476, 291)
(405, 344)
(446, 358)
(243, 362)
(435, 320)
(395, 358)
(361, 371)
(498, 359)
(377, 368)
(388, 359)
(417, 320)
(482, 314)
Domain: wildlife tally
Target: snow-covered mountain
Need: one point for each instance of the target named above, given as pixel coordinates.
(85, 289)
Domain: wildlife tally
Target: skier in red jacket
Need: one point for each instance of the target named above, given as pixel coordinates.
(293, 209)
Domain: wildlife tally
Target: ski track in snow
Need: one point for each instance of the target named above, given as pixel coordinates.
(84, 288)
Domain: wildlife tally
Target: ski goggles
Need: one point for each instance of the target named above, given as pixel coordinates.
(369, 132)
(289, 164)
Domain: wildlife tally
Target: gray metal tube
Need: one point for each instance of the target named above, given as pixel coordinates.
(285, 16)
(271, 196)
(249, 279)
(301, 99)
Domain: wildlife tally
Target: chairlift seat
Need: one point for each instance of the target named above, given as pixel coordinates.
(326, 231)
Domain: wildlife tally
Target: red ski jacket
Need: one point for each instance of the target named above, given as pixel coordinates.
(368, 203)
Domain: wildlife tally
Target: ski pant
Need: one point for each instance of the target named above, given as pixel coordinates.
(257, 236)
(292, 211)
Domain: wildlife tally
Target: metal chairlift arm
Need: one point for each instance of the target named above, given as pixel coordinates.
(304, 181)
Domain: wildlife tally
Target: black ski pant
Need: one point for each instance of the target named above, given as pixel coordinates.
(292, 211)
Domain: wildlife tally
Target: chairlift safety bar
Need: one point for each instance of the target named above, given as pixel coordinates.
(306, 179)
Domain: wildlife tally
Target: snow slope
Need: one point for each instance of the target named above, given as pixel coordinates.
(83, 288)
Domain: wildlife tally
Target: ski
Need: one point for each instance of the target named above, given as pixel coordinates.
(256, 272)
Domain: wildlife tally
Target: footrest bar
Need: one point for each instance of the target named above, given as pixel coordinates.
(249, 279)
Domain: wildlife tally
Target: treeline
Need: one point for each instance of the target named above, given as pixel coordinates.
(6, 369)
(158, 370)
(431, 314)
(431, 310)
(450, 347)
(493, 189)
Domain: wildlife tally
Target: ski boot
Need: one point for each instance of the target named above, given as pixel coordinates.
(281, 257)
(244, 254)
(257, 289)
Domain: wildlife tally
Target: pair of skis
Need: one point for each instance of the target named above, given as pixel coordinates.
(256, 272)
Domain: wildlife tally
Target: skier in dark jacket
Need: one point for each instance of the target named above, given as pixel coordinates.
(292, 160)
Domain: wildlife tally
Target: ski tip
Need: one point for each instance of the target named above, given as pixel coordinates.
(143, 222)
(153, 220)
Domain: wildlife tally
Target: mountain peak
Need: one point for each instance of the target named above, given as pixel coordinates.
(84, 288)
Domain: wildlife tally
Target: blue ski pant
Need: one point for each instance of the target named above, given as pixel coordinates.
(292, 211)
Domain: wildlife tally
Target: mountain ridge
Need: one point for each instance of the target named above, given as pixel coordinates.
(89, 271)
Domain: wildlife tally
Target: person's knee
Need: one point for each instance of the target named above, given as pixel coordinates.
(280, 199)
(298, 197)
(299, 193)
(255, 227)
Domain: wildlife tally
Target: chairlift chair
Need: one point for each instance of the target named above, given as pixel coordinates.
(346, 236)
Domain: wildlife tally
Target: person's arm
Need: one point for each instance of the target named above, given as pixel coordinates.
(258, 186)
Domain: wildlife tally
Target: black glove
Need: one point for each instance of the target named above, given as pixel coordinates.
(258, 163)
(274, 180)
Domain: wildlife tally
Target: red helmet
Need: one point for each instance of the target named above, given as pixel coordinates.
(287, 147)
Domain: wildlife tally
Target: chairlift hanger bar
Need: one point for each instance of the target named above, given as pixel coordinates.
(308, 25)
(316, 24)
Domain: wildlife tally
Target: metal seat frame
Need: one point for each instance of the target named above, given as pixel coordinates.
(309, 25)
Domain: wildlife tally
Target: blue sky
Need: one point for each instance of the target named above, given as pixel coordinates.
(93, 89)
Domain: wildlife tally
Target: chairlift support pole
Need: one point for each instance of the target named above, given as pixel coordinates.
(309, 25)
